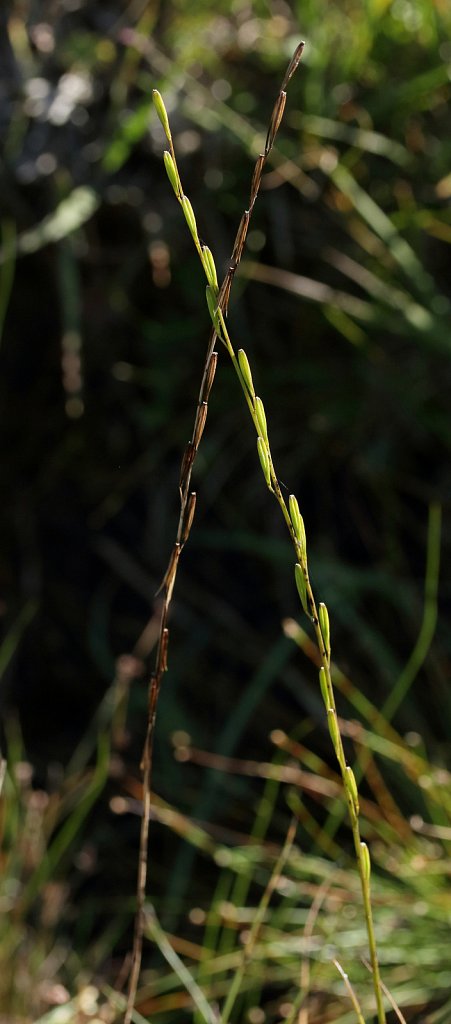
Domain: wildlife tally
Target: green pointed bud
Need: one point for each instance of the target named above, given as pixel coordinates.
(295, 514)
(209, 267)
(171, 171)
(264, 460)
(189, 216)
(351, 787)
(324, 686)
(246, 370)
(298, 523)
(213, 309)
(160, 108)
(323, 616)
(333, 729)
(261, 417)
(366, 862)
(301, 585)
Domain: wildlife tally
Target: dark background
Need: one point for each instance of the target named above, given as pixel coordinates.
(104, 335)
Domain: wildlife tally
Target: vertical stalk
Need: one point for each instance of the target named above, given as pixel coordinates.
(217, 301)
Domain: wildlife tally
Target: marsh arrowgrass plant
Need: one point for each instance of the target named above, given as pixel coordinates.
(217, 301)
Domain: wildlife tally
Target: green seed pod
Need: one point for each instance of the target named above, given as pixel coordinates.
(261, 418)
(323, 616)
(333, 729)
(171, 171)
(300, 583)
(160, 108)
(189, 216)
(213, 309)
(209, 267)
(351, 787)
(324, 686)
(295, 514)
(366, 862)
(246, 370)
(264, 461)
(298, 523)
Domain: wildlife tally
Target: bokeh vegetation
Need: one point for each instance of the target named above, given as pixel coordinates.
(343, 305)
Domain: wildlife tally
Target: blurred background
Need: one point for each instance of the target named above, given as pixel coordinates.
(342, 304)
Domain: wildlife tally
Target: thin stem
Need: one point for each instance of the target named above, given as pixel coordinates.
(257, 923)
(427, 630)
(351, 992)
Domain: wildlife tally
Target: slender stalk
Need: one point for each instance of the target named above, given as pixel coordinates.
(427, 630)
(257, 923)
(154, 928)
(217, 301)
(351, 992)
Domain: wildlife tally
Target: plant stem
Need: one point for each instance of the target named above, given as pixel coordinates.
(217, 300)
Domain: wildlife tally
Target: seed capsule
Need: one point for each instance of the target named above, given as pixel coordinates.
(366, 861)
(324, 686)
(323, 616)
(246, 370)
(199, 425)
(300, 583)
(171, 171)
(209, 267)
(189, 216)
(160, 108)
(264, 461)
(276, 118)
(351, 787)
(261, 417)
(209, 376)
(333, 729)
(212, 303)
(189, 516)
(298, 523)
(187, 462)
